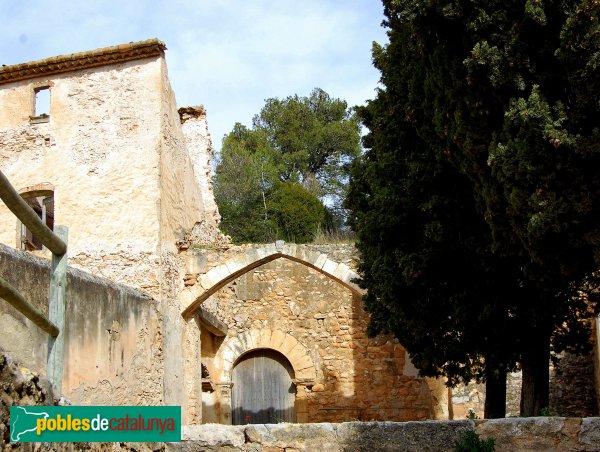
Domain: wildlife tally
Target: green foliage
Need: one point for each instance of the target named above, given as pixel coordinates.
(476, 203)
(296, 213)
(471, 442)
(295, 142)
(245, 176)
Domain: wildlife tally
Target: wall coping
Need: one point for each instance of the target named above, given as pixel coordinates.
(510, 434)
(82, 60)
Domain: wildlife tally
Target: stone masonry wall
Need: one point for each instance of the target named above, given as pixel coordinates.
(530, 434)
(19, 386)
(125, 181)
(101, 141)
(572, 386)
(471, 398)
(572, 391)
(355, 377)
(102, 121)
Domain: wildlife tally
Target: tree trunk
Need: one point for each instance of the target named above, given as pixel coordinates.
(535, 386)
(495, 394)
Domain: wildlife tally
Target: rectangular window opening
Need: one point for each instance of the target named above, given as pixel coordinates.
(42, 103)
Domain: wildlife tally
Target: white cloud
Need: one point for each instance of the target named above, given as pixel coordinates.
(229, 55)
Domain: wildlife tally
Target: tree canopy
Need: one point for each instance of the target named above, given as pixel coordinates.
(292, 164)
(476, 203)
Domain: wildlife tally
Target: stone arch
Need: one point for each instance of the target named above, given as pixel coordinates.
(223, 274)
(235, 347)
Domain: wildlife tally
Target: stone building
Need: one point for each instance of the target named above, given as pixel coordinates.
(108, 154)
(258, 333)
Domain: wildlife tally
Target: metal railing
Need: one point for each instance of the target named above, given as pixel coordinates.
(57, 244)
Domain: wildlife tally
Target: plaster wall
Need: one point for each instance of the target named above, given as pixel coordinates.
(113, 340)
(100, 149)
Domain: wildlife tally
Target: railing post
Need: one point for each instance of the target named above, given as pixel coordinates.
(56, 313)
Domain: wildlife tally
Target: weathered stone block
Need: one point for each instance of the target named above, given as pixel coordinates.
(304, 362)
(219, 273)
(270, 248)
(211, 437)
(304, 437)
(534, 433)
(234, 265)
(277, 339)
(306, 374)
(208, 280)
(589, 435)
(264, 338)
(342, 271)
(393, 436)
(320, 260)
(195, 261)
(289, 249)
(329, 266)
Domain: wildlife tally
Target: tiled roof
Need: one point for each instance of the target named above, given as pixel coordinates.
(82, 60)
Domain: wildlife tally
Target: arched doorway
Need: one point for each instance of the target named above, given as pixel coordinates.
(263, 390)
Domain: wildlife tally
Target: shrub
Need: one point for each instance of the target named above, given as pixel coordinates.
(471, 442)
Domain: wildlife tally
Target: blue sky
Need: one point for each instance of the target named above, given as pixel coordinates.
(228, 55)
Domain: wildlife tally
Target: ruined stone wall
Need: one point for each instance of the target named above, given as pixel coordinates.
(21, 336)
(114, 150)
(354, 377)
(100, 150)
(572, 390)
(113, 340)
(125, 180)
(471, 398)
(572, 386)
(19, 386)
(198, 141)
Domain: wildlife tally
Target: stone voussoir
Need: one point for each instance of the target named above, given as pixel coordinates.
(341, 271)
(264, 338)
(288, 345)
(330, 266)
(233, 265)
(306, 374)
(219, 272)
(320, 260)
(277, 339)
(208, 280)
(289, 249)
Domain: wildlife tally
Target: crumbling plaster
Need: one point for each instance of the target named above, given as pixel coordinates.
(100, 149)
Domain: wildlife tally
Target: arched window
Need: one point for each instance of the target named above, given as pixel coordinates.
(40, 198)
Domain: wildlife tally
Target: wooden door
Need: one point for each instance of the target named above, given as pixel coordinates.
(263, 392)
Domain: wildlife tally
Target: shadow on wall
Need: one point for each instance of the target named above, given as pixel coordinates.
(357, 378)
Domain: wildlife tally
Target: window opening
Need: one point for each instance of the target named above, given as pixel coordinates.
(42, 104)
(42, 203)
